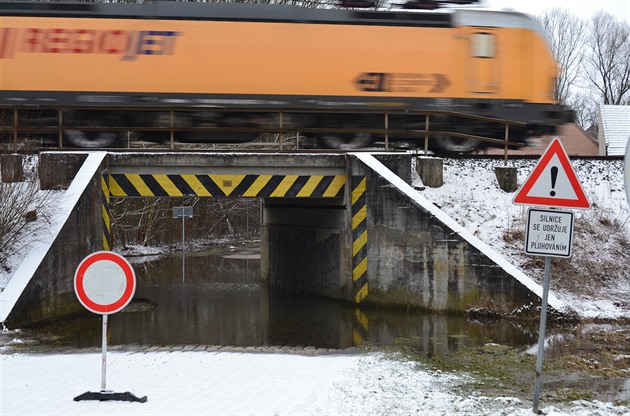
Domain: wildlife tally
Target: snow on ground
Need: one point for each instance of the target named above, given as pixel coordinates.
(228, 383)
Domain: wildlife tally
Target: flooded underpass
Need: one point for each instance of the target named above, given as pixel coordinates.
(216, 298)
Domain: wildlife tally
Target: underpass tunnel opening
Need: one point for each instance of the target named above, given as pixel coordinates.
(302, 239)
(307, 243)
(305, 212)
(298, 218)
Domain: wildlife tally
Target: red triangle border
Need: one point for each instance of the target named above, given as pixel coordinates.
(522, 197)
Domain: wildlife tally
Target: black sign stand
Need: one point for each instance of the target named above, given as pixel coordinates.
(110, 395)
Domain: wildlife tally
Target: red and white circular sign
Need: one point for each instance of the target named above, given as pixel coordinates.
(104, 282)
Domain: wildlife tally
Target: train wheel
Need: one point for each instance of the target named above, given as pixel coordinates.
(456, 145)
(347, 142)
(91, 139)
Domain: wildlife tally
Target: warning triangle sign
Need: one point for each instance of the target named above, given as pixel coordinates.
(553, 182)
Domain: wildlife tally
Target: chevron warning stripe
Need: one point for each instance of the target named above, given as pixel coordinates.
(262, 186)
(359, 238)
(107, 239)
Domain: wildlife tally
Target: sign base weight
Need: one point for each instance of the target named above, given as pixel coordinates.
(106, 395)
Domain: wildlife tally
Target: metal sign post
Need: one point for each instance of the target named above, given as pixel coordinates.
(549, 233)
(183, 213)
(104, 354)
(541, 334)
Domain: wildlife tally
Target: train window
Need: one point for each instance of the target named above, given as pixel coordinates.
(484, 45)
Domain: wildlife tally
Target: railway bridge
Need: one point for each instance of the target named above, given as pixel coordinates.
(347, 226)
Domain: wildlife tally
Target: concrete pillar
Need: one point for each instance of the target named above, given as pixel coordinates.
(12, 168)
(431, 171)
(56, 171)
(399, 163)
(506, 177)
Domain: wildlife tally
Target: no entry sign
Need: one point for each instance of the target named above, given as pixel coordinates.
(104, 282)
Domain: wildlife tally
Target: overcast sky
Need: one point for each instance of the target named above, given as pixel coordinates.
(582, 8)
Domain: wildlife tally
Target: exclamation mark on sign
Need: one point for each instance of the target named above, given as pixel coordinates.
(554, 176)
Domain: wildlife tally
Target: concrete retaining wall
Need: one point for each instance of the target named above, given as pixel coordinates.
(415, 260)
(50, 292)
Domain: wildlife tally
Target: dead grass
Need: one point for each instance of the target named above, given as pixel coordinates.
(600, 259)
(597, 349)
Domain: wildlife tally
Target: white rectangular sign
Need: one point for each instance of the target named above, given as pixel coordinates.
(179, 212)
(549, 233)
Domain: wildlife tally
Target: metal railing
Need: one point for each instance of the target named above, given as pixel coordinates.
(17, 128)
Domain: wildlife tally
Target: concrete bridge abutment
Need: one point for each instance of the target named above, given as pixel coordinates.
(393, 250)
(42, 288)
(420, 258)
(344, 226)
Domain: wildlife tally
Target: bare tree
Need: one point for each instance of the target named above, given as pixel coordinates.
(564, 33)
(24, 217)
(584, 106)
(138, 221)
(149, 221)
(608, 59)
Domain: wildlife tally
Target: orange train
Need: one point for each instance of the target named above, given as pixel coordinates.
(241, 65)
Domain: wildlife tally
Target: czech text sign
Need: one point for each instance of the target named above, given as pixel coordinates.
(553, 182)
(104, 282)
(549, 233)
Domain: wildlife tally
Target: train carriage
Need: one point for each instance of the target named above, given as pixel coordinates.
(216, 71)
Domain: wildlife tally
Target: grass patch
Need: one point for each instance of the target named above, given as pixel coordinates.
(577, 365)
(496, 369)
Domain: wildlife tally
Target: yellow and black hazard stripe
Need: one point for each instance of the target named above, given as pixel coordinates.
(107, 237)
(359, 238)
(254, 186)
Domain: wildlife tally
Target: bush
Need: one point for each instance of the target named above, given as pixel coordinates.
(25, 213)
(149, 221)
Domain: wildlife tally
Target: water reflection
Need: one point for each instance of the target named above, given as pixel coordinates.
(221, 301)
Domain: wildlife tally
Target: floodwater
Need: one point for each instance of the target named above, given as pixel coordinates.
(217, 298)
